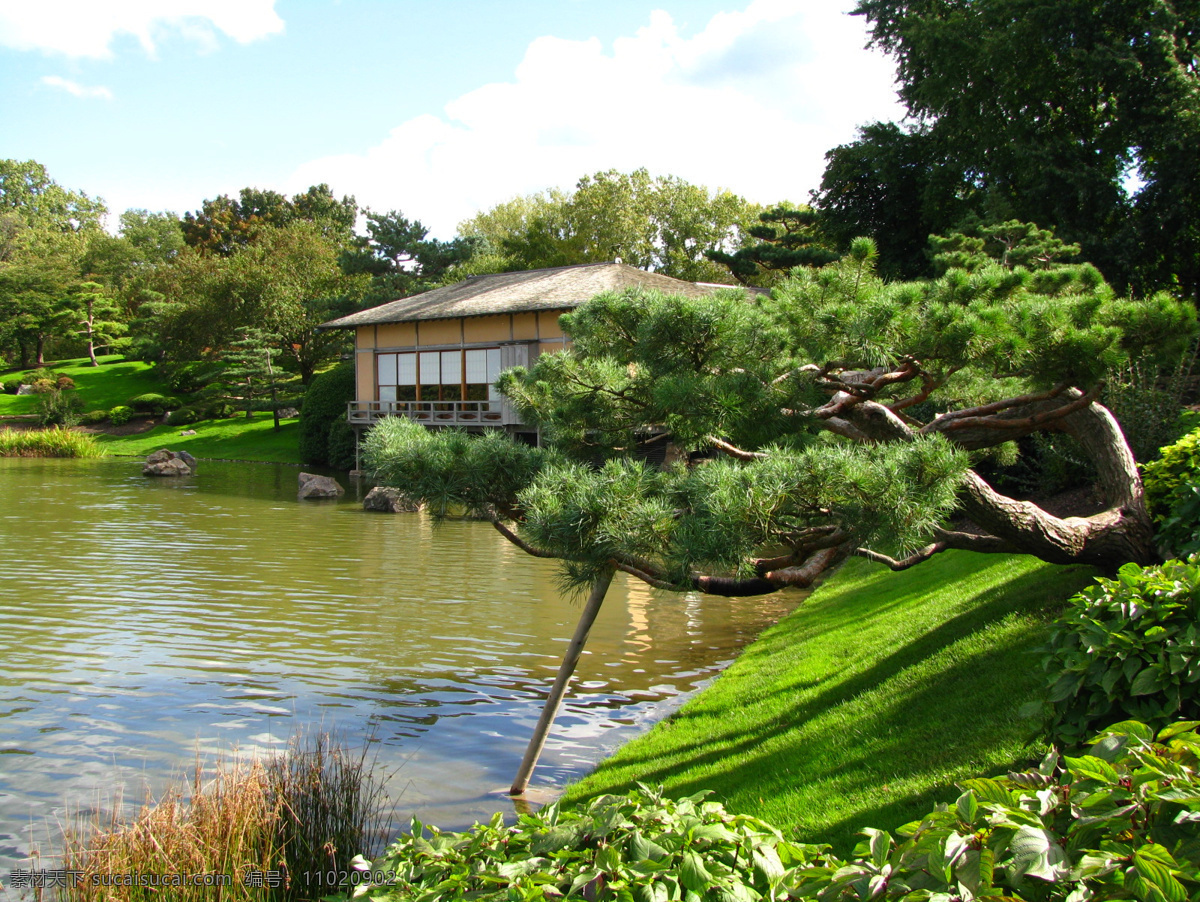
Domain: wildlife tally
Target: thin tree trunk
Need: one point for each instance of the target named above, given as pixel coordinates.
(558, 690)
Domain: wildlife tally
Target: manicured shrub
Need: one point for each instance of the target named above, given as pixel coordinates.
(12, 386)
(324, 404)
(43, 386)
(64, 383)
(1127, 648)
(94, 417)
(1116, 823)
(153, 403)
(184, 416)
(120, 415)
(1172, 486)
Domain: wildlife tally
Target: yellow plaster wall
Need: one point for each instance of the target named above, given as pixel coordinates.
(548, 324)
(524, 326)
(364, 337)
(397, 335)
(486, 328)
(364, 373)
(440, 332)
(550, 347)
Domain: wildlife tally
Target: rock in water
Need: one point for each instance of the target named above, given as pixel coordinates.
(314, 486)
(169, 463)
(390, 501)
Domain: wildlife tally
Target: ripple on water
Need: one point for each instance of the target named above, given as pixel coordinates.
(159, 621)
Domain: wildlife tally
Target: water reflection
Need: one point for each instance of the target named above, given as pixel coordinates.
(145, 619)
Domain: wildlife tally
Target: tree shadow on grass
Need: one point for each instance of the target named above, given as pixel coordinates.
(933, 731)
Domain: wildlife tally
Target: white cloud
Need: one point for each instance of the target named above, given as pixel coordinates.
(87, 28)
(751, 103)
(75, 88)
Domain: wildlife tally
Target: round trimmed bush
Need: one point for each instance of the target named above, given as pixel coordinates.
(12, 386)
(1172, 486)
(153, 403)
(120, 415)
(64, 383)
(94, 417)
(184, 416)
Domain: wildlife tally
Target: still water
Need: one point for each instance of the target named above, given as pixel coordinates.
(144, 622)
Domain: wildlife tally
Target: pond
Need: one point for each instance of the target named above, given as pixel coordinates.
(147, 622)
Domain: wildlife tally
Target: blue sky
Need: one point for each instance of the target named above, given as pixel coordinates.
(436, 109)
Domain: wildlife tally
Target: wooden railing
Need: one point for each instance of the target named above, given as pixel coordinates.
(431, 413)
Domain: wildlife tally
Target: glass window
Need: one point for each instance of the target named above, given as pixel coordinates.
(451, 367)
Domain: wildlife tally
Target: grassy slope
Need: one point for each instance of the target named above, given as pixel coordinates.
(867, 703)
(234, 439)
(102, 387)
(117, 380)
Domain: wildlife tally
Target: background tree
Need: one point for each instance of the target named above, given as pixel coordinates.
(662, 224)
(789, 236)
(99, 323)
(400, 257)
(250, 364)
(1041, 110)
(223, 225)
(44, 231)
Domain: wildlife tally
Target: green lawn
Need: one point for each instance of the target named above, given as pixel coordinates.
(234, 439)
(865, 705)
(102, 387)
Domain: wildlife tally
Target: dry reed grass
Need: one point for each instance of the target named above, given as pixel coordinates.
(275, 830)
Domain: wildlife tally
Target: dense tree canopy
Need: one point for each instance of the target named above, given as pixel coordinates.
(658, 223)
(1039, 110)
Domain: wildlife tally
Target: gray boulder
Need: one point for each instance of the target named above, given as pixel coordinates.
(390, 501)
(314, 486)
(169, 463)
(24, 389)
(288, 413)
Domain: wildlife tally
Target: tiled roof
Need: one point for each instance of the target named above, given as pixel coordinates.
(560, 288)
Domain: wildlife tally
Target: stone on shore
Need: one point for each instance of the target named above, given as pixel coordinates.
(169, 463)
(390, 501)
(314, 486)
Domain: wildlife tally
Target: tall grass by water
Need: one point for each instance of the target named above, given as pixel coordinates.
(246, 831)
(53, 442)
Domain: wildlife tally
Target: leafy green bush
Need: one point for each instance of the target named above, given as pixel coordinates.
(12, 386)
(222, 410)
(325, 403)
(341, 445)
(64, 383)
(59, 408)
(120, 415)
(1118, 823)
(1127, 647)
(153, 403)
(94, 417)
(1172, 483)
(184, 416)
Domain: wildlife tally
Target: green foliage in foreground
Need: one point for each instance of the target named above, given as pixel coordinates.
(237, 439)
(866, 703)
(47, 443)
(1127, 647)
(1117, 823)
(1172, 486)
